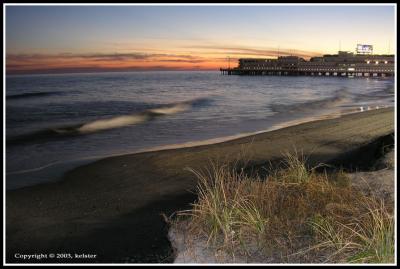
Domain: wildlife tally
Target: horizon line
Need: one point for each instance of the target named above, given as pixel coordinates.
(65, 72)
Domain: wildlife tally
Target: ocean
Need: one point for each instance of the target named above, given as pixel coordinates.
(60, 121)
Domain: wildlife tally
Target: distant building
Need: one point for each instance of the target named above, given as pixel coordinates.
(342, 64)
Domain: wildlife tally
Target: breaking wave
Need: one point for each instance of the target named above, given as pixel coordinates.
(121, 121)
(108, 123)
(340, 97)
(387, 92)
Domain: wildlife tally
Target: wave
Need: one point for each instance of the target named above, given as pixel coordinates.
(387, 92)
(31, 95)
(105, 124)
(125, 120)
(108, 123)
(340, 97)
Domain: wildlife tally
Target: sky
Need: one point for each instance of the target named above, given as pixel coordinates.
(118, 38)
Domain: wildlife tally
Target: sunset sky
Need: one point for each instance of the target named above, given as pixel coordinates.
(42, 39)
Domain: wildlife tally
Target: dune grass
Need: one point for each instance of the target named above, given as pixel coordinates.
(294, 213)
(366, 238)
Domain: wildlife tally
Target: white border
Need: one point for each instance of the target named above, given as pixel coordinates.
(203, 5)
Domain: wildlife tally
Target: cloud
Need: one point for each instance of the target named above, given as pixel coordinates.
(265, 52)
(183, 61)
(197, 57)
(16, 63)
(95, 56)
(92, 69)
(68, 56)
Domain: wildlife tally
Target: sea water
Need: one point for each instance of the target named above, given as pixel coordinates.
(57, 122)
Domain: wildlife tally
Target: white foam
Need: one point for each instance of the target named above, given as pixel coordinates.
(121, 121)
(171, 110)
(116, 122)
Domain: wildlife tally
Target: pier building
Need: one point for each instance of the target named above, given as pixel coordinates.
(344, 63)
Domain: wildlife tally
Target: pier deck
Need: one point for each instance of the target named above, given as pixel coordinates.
(294, 72)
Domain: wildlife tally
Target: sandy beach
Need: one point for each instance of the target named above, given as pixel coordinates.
(110, 210)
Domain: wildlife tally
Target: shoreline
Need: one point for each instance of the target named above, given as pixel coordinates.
(112, 207)
(75, 163)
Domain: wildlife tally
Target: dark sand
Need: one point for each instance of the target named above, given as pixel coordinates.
(112, 207)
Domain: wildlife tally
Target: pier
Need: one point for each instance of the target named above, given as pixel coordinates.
(333, 73)
(343, 64)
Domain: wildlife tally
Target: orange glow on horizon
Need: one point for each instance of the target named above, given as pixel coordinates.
(21, 65)
(201, 58)
(206, 57)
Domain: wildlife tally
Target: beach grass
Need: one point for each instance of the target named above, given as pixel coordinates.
(366, 238)
(294, 212)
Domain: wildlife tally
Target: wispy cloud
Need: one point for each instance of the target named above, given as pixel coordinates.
(262, 52)
(17, 63)
(189, 58)
(96, 56)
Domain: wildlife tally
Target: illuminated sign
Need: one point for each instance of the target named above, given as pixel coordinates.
(364, 49)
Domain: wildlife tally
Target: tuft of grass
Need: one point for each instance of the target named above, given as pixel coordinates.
(365, 238)
(225, 207)
(292, 207)
(295, 169)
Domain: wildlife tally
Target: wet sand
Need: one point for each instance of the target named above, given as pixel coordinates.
(112, 207)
